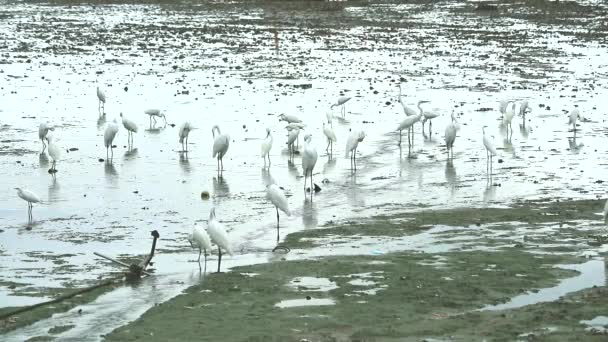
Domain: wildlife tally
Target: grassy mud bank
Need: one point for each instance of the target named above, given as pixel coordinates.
(407, 295)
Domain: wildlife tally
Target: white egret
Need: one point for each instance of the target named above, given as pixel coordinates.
(292, 135)
(429, 116)
(309, 159)
(502, 108)
(155, 113)
(184, 131)
(289, 118)
(408, 123)
(199, 238)
(101, 107)
(277, 197)
(407, 110)
(30, 198)
(508, 117)
(574, 115)
(342, 103)
(54, 152)
(450, 136)
(218, 236)
(108, 137)
(490, 149)
(293, 125)
(220, 146)
(331, 138)
(352, 143)
(266, 146)
(43, 130)
(330, 118)
(131, 128)
(523, 108)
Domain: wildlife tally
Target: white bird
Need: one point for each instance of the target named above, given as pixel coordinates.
(352, 143)
(293, 125)
(428, 116)
(331, 138)
(523, 108)
(199, 238)
(502, 108)
(341, 102)
(277, 197)
(407, 110)
(289, 118)
(131, 128)
(574, 115)
(266, 146)
(220, 146)
(450, 136)
(218, 236)
(54, 152)
(43, 130)
(408, 123)
(101, 107)
(155, 113)
(490, 149)
(292, 135)
(309, 159)
(330, 118)
(508, 117)
(108, 137)
(184, 131)
(30, 198)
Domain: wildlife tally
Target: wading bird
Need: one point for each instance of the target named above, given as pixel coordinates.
(289, 118)
(508, 118)
(450, 136)
(131, 128)
(266, 146)
(108, 138)
(428, 116)
(292, 135)
(199, 238)
(101, 107)
(408, 123)
(331, 138)
(184, 131)
(342, 104)
(502, 108)
(218, 236)
(30, 198)
(490, 149)
(54, 152)
(155, 113)
(523, 108)
(220, 146)
(352, 143)
(43, 130)
(277, 197)
(309, 159)
(574, 115)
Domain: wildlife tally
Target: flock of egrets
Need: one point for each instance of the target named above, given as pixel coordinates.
(215, 231)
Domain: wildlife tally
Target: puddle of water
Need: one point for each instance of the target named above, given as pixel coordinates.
(292, 303)
(312, 284)
(591, 274)
(597, 325)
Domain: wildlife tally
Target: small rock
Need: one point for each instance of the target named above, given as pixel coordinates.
(317, 188)
(72, 149)
(308, 297)
(205, 195)
(126, 88)
(500, 161)
(101, 160)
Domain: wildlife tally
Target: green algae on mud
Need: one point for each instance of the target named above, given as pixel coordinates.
(386, 297)
(395, 225)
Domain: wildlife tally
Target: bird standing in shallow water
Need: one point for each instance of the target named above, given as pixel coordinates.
(184, 131)
(309, 159)
(199, 238)
(220, 146)
(450, 136)
(153, 114)
(292, 135)
(54, 152)
(574, 115)
(43, 130)
(101, 107)
(277, 197)
(342, 104)
(30, 198)
(266, 146)
(351, 147)
(490, 149)
(218, 235)
(331, 138)
(108, 138)
(131, 128)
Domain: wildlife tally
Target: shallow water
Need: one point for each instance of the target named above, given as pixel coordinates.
(218, 64)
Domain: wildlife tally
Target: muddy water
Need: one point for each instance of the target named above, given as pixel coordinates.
(221, 64)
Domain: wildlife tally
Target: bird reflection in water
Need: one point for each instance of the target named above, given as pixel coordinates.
(53, 190)
(310, 214)
(43, 159)
(293, 170)
(184, 162)
(267, 178)
(489, 193)
(220, 189)
(450, 176)
(101, 121)
(573, 145)
(353, 192)
(110, 171)
(131, 154)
